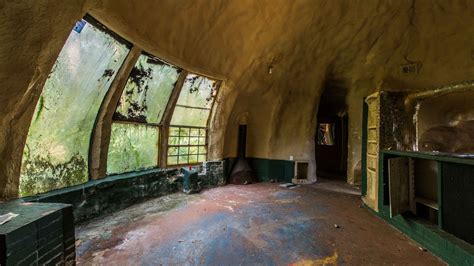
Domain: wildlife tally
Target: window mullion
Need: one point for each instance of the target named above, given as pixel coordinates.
(165, 121)
(100, 138)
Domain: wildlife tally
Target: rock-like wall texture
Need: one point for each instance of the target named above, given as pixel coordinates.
(361, 43)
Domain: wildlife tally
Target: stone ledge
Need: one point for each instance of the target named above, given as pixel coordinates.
(115, 192)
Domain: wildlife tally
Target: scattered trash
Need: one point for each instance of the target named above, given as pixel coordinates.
(289, 185)
(422, 248)
(336, 225)
(180, 241)
(7, 217)
(272, 180)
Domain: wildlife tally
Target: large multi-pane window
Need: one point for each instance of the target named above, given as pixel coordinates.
(56, 151)
(57, 146)
(187, 142)
(186, 145)
(136, 128)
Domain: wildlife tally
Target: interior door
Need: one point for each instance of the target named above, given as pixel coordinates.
(399, 178)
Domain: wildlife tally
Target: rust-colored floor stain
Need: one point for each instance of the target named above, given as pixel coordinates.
(260, 224)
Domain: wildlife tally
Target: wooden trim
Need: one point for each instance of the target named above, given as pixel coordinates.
(100, 137)
(94, 22)
(211, 113)
(440, 195)
(429, 203)
(193, 107)
(444, 157)
(136, 123)
(166, 119)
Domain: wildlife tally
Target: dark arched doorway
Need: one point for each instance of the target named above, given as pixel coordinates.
(331, 133)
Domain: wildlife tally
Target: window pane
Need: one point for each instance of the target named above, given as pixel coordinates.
(57, 146)
(184, 116)
(173, 141)
(172, 151)
(202, 149)
(183, 150)
(184, 141)
(194, 141)
(174, 131)
(326, 134)
(197, 91)
(194, 132)
(172, 160)
(202, 132)
(201, 158)
(132, 147)
(148, 90)
(193, 150)
(193, 158)
(184, 132)
(202, 141)
(183, 159)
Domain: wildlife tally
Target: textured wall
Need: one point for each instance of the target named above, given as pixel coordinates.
(32, 34)
(360, 43)
(446, 123)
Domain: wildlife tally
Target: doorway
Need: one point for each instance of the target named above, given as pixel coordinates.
(331, 134)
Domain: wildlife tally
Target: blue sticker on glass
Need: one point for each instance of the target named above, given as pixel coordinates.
(79, 25)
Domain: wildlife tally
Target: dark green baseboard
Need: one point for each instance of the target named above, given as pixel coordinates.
(268, 169)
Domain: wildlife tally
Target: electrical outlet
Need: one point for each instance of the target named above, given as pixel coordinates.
(291, 157)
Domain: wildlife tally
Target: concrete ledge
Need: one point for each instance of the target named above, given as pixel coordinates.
(116, 192)
(103, 196)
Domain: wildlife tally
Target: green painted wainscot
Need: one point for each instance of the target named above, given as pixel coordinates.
(267, 169)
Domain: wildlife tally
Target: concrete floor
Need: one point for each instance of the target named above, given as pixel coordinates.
(254, 224)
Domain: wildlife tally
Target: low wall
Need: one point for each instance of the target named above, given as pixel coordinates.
(107, 195)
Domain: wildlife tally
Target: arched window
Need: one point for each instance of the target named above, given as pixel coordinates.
(57, 146)
(136, 128)
(157, 96)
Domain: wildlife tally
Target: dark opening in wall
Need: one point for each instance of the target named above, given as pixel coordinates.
(331, 133)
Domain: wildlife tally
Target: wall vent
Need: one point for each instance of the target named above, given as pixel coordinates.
(411, 69)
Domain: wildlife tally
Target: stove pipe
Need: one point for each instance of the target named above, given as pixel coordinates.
(242, 173)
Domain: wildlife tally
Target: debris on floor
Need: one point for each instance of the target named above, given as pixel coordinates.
(268, 225)
(289, 185)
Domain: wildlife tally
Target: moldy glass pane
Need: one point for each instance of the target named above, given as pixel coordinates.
(57, 145)
(132, 147)
(147, 91)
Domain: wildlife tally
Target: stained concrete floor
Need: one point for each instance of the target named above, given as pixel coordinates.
(260, 224)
